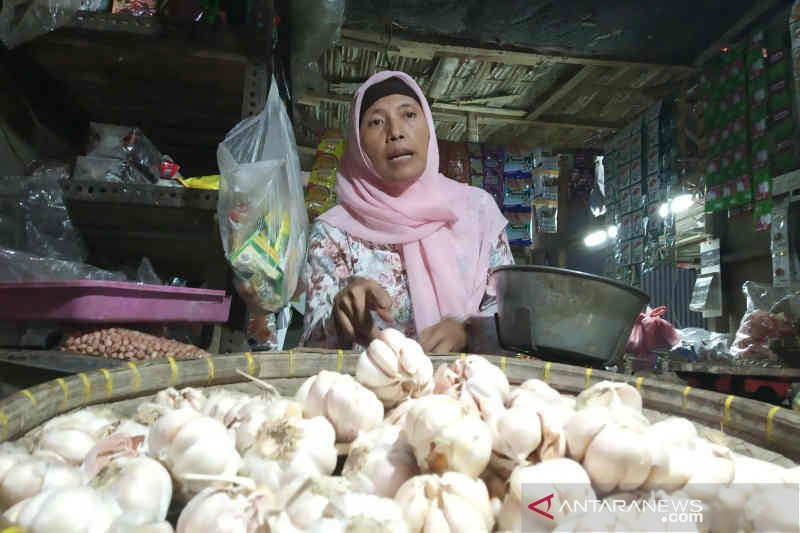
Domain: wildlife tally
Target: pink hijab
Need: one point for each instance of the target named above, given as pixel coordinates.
(446, 229)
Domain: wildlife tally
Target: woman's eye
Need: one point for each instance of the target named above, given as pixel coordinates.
(411, 114)
(374, 122)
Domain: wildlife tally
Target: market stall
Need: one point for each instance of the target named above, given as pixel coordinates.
(591, 300)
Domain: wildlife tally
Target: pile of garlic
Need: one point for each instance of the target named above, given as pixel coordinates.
(446, 451)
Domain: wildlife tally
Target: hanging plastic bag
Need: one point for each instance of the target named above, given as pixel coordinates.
(769, 329)
(262, 215)
(651, 332)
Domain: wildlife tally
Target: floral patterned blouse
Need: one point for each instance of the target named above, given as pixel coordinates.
(334, 257)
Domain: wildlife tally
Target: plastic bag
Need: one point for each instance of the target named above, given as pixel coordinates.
(770, 327)
(263, 220)
(34, 218)
(651, 332)
(24, 20)
(21, 266)
(698, 344)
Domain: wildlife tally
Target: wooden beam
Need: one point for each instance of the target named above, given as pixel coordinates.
(562, 89)
(428, 50)
(757, 11)
(485, 115)
(498, 99)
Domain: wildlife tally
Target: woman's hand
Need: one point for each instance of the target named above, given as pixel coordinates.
(449, 335)
(351, 311)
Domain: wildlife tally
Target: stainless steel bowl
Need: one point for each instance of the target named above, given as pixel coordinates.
(563, 314)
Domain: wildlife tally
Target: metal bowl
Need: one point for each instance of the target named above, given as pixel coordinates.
(564, 315)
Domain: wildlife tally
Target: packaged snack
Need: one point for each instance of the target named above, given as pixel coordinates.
(136, 8)
(545, 183)
(626, 228)
(546, 215)
(760, 153)
(743, 195)
(454, 161)
(636, 197)
(625, 201)
(785, 157)
(728, 190)
(778, 68)
(780, 96)
(653, 161)
(713, 199)
(763, 215)
(762, 184)
(758, 126)
(625, 253)
(655, 224)
(741, 160)
(332, 143)
(770, 319)
(637, 223)
(653, 183)
(636, 171)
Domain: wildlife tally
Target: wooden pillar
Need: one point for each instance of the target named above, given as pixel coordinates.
(473, 130)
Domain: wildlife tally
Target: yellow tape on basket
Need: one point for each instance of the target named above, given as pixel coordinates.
(3, 425)
(136, 376)
(14, 529)
(463, 356)
(686, 390)
(503, 364)
(251, 365)
(173, 369)
(547, 366)
(30, 396)
(109, 382)
(339, 360)
(639, 382)
(65, 390)
(726, 413)
(211, 370)
(87, 387)
(291, 363)
(770, 417)
(588, 377)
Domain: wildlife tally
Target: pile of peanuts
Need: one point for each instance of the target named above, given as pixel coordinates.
(117, 343)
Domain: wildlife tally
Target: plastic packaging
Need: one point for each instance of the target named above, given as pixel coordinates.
(701, 345)
(24, 20)
(34, 218)
(261, 209)
(121, 154)
(769, 329)
(17, 265)
(651, 332)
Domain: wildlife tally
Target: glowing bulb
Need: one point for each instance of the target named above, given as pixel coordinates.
(681, 203)
(612, 232)
(596, 238)
(663, 210)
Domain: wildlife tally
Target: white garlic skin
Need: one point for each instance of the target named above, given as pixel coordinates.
(214, 510)
(475, 381)
(451, 502)
(379, 461)
(289, 451)
(32, 476)
(141, 486)
(565, 478)
(66, 510)
(395, 368)
(347, 404)
(446, 435)
(609, 394)
(361, 512)
(311, 503)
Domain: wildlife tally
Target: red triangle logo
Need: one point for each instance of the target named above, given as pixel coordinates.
(549, 500)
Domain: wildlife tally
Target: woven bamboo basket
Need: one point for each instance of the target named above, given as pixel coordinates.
(770, 431)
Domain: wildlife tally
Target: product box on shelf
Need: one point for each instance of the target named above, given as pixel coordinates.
(637, 251)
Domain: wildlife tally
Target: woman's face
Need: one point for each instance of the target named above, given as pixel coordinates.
(394, 135)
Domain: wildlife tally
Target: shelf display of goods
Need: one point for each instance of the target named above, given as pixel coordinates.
(320, 194)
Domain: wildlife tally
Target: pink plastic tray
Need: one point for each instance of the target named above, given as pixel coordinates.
(110, 302)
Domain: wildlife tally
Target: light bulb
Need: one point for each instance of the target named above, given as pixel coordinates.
(612, 232)
(663, 210)
(681, 203)
(596, 238)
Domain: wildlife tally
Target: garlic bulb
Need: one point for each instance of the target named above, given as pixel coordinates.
(311, 502)
(247, 419)
(347, 404)
(70, 437)
(475, 381)
(450, 502)
(608, 394)
(66, 510)
(218, 510)
(222, 402)
(564, 478)
(447, 435)
(187, 442)
(395, 368)
(141, 487)
(379, 461)
(672, 454)
(352, 512)
(397, 416)
(523, 435)
(31, 476)
(611, 445)
(289, 451)
(178, 399)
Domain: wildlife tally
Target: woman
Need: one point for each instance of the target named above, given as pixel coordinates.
(406, 247)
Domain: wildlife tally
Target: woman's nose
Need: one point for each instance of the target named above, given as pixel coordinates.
(395, 131)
